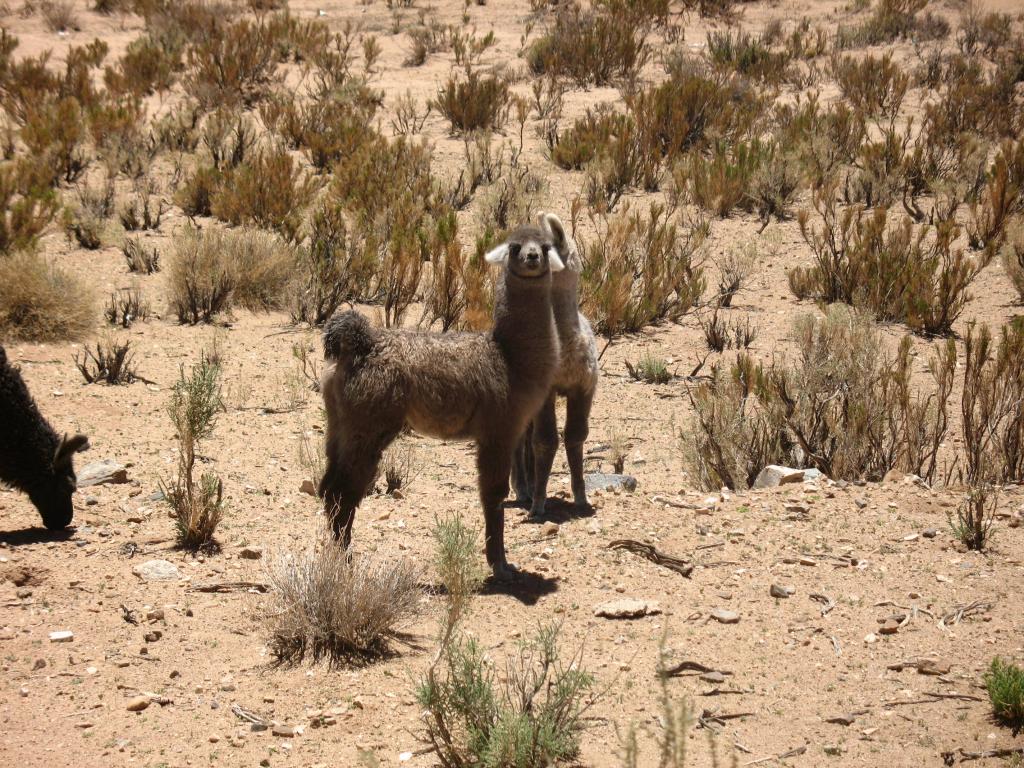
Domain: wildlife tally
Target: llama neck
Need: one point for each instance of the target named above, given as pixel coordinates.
(524, 326)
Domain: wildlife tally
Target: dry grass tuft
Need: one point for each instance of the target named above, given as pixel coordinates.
(40, 301)
(331, 604)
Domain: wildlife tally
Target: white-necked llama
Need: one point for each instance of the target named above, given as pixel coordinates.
(33, 458)
(483, 386)
(575, 380)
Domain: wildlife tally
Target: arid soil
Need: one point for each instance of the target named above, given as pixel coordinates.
(854, 555)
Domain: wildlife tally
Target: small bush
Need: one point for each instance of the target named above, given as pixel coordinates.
(640, 271)
(747, 55)
(474, 101)
(196, 193)
(399, 468)
(844, 407)
(111, 362)
(532, 715)
(147, 67)
(330, 604)
(723, 182)
(1001, 199)
(60, 16)
(972, 521)
(891, 20)
(232, 63)
(27, 205)
(56, 130)
(200, 278)
(86, 220)
(140, 259)
(42, 302)
(1004, 682)
(142, 212)
(1013, 258)
(197, 508)
(650, 369)
(125, 307)
(332, 268)
(262, 267)
(271, 191)
(872, 86)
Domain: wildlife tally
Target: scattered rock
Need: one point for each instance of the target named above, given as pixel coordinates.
(861, 503)
(286, 731)
(847, 719)
(796, 509)
(713, 677)
(833, 750)
(153, 636)
(62, 636)
(251, 553)
(157, 570)
(106, 472)
(724, 616)
(809, 561)
(933, 667)
(890, 627)
(214, 738)
(549, 529)
(138, 703)
(870, 638)
(627, 608)
(774, 475)
(599, 481)
(308, 487)
(930, 533)
(780, 591)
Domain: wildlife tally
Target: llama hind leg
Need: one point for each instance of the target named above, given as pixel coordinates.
(522, 467)
(577, 427)
(545, 445)
(494, 462)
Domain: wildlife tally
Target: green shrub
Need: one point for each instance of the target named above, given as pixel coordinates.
(231, 63)
(747, 55)
(872, 86)
(649, 369)
(1005, 684)
(27, 204)
(474, 101)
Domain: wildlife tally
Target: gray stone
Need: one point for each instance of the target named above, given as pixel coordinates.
(103, 472)
(157, 570)
(598, 481)
(929, 533)
(780, 591)
(723, 616)
(713, 677)
(774, 475)
(627, 608)
(251, 553)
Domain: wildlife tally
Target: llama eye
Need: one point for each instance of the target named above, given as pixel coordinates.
(514, 249)
(546, 248)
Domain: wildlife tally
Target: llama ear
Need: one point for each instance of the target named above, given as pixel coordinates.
(497, 256)
(555, 263)
(68, 447)
(553, 225)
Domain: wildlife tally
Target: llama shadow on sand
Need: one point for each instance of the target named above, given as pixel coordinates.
(526, 587)
(556, 510)
(34, 535)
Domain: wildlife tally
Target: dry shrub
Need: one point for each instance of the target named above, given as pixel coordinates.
(86, 221)
(1001, 199)
(891, 20)
(747, 55)
(511, 200)
(56, 130)
(197, 507)
(896, 272)
(328, 603)
(200, 278)
(720, 333)
(195, 194)
(1013, 257)
(142, 212)
(27, 204)
(40, 301)
(872, 86)
(270, 190)
(125, 306)
(142, 260)
(231, 63)
(640, 270)
(59, 15)
(446, 297)
(650, 369)
(592, 47)
(844, 407)
(722, 182)
(147, 67)
(985, 33)
(111, 362)
(474, 101)
(332, 267)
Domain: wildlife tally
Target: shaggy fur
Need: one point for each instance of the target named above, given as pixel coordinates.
(575, 380)
(33, 458)
(481, 386)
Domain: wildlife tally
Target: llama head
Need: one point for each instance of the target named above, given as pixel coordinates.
(52, 497)
(528, 252)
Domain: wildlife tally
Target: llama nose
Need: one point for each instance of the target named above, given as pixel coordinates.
(533, 258)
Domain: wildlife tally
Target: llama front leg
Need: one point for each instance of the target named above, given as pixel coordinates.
(545, 445)
(577, 427)
(494, 462)
(349, 473)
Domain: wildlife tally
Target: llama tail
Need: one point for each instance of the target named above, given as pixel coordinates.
(348, 335)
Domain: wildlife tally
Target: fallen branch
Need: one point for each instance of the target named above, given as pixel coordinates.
(933, 697)
(648, 551)
(827, 603)
(690, 666)
(949, 758)
(229, 586)
(960, 612)
(709, 718)
(792, 753)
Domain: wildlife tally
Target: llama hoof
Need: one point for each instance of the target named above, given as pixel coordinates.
(505, 572)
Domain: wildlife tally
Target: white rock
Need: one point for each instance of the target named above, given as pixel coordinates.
(62, 636)
(157, 570)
